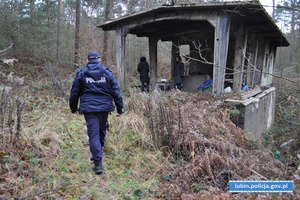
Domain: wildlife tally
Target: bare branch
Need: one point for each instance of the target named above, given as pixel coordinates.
(288, 8)
(257, 70)
(10, 46)
(253, 68)
(198, 46)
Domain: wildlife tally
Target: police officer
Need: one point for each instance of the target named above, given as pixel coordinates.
(96, 88)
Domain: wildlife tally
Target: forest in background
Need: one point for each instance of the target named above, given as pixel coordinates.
(62, 32)
(50, 39)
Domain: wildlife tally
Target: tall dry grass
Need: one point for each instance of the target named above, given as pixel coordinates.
(168, 145)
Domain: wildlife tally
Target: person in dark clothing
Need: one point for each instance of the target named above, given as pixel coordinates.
(178, 73)
(143, 69)
(96, 88)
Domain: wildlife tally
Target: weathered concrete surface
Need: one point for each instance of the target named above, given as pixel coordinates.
(257, 113)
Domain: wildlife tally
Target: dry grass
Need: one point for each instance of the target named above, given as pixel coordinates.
(170, 145)
(204, 144)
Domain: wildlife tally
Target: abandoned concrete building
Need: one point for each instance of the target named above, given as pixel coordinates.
(229, 42)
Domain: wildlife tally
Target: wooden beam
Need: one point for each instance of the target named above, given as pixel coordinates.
(175, 51)
(153, 60)
(250, 93)
(240, 45)
(121, 33)
(251, 49)
(243, 54)
(255, 63)
(222, 32)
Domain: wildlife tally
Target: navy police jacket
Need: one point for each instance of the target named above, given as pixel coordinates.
(96, 88)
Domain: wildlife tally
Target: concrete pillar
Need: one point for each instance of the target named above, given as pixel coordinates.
(120, 51)
(221, 42)
(153, 60)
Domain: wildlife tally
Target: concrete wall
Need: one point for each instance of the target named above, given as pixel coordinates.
(257, 113)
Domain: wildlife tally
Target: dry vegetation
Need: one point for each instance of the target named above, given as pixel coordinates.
(171, 145)
(205, 148)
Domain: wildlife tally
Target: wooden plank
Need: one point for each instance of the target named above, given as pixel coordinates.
(120, 48)
(234, 100)
(222, 32)
(250, 93)
(153, 60)
(238, 57)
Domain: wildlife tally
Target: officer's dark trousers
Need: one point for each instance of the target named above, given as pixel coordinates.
(96, 130)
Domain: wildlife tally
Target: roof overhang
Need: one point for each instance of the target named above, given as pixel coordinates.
(168, 22)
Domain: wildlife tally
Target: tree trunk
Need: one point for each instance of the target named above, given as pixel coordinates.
(76, 60)
(106, 34)
(60, 11)
(14, 37)
(293, 4)
(131, 5)
(273, 9)
(32, 3)
(293, 17)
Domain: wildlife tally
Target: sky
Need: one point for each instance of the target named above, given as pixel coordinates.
(268, 5)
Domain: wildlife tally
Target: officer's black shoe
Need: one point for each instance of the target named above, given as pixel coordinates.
(98, 169)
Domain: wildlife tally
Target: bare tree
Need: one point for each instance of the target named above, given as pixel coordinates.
(273, 9)
(10, 46)
(77, 30)
(60, 11)
(106, 34)
(288, 13)
(293, 4)
(32, 7)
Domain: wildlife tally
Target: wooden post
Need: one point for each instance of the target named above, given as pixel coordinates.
(244, 53)
(175, 51)
(240, 45)
(120, 48)
(153, 60)
(222, 30)
(255, 63)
